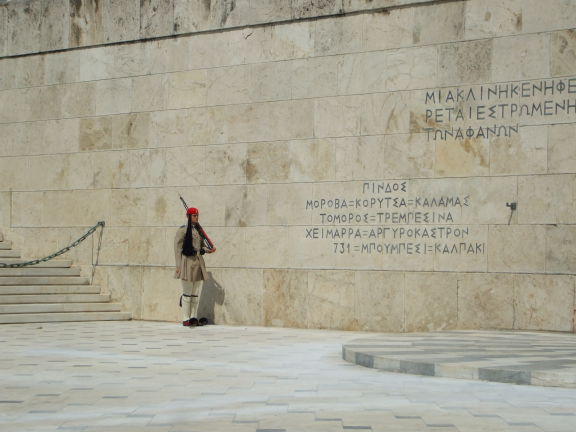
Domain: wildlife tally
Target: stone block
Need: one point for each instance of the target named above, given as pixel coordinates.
(121, 20)
(438, 23)
(431, 301)
(553, 15)
(286, 298)
(410, 68)
(3, 32)
(47, 103)
(267, 247)
(228, 85)
(128, 286)
(23, 27)
(54, 25)
(29, 71)
(543, 302)
(173, 128)
(241, 293)
(11, 139)
(218, 49)
(463, 248)
(61, 68)
(338, 35)
(7, 69)
(163, 56)
(359, 158)
(547, 199)
(109, 169)
(473, 200)
(385, 113)
(338, 116)
(520, 57)
(489, 18)
(517, 248)
(465, 62)
(11, 173)
(311, 160)
(79, 99)
(269, 81)
(113, 96)
(123, 204)
(5, 210)
(363, 72)
(560, 249)
(114, 249)
(562, 148)
(148, 93)
(147, 168)
(156, 18)
(95, 133)
(225, 164)
(286, 204)
(462, 158)
(245, 205)
(285, 120)
(85, 23)
(75, 207)
(563, 53)
(380, 301)
(485, 301)
(267, 162)
(185, 165)
(239, 13)
(388, 29)
(524, 153)
(314, 77)
(26, 209)
(186, 89)
(331, 300)
(160, 294)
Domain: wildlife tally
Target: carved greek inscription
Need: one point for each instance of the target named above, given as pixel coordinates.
(386, 219)
(501, 108)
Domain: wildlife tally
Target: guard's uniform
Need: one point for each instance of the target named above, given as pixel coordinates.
(192, 273)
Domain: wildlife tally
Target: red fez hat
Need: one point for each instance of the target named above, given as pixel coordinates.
(192, 211)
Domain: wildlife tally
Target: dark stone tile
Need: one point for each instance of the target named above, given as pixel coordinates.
(427, 369)
(505, 376)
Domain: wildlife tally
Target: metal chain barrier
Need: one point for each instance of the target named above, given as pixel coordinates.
(61, 251)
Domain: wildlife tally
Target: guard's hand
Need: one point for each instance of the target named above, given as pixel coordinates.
(210, 250)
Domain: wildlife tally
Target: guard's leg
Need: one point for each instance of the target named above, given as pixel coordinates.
(185, 302)
(195, 299)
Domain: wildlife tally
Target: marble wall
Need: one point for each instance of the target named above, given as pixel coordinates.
(384, 165)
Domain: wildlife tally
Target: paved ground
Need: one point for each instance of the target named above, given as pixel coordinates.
(144, 376)
(532, 358)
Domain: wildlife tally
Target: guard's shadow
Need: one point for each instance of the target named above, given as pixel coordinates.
(212, 294)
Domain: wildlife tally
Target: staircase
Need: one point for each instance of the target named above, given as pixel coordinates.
(50, 292)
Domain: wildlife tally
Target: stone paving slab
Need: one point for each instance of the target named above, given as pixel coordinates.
(160, 377)
(532, 358)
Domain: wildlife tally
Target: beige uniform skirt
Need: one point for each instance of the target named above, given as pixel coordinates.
(192, 268)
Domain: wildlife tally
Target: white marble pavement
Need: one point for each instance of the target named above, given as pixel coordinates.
(161, 377)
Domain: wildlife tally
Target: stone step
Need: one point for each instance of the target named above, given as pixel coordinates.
(6, 244)
(52, 263)
(43, 280)
(58, 308)
(49, 289)
(5, 253)
(53, 298)
(60, 317)
(39, 271)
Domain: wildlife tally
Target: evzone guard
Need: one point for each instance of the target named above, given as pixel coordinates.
(190, 244)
